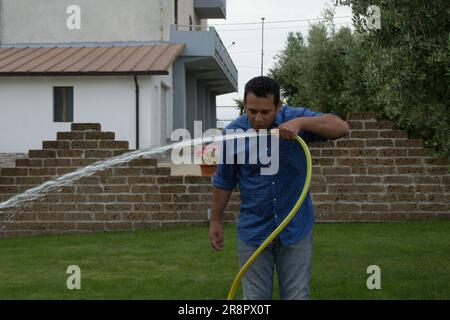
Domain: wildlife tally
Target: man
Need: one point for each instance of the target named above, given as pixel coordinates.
(267, 199)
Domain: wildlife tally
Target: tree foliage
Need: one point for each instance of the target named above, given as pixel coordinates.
(401, 71)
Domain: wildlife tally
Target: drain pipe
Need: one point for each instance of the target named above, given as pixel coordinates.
(137, 111)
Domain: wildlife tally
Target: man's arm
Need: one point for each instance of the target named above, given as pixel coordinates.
(219, 203)
(328, 126)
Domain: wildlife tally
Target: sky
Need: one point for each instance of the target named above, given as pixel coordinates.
(246, 52)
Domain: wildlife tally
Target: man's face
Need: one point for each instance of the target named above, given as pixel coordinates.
(261, 111)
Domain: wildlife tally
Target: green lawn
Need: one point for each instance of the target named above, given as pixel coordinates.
(414, 258)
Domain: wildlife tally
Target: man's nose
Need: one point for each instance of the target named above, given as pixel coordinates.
(258, 117)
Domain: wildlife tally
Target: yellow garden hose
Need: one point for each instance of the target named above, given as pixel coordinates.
(285, 222)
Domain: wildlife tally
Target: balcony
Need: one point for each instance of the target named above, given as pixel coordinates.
(211, 9)
(204, 44)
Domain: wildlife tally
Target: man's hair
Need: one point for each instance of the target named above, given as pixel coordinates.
(263, 87)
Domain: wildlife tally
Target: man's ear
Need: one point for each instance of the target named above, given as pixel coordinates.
(278, 107)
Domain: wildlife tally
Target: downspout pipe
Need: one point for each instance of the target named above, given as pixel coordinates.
(137, 111)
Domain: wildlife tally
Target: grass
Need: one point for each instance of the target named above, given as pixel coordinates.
(174, 264)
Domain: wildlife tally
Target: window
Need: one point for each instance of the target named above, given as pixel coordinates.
(63, 104)
(190, 23)
(176, 12)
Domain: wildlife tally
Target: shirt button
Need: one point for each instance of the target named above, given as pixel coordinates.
(273, 182)
(276, 216)
(275, 200)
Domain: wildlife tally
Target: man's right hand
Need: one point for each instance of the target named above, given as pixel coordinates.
(216, 235)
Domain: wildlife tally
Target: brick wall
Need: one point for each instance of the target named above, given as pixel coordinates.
(374, 174)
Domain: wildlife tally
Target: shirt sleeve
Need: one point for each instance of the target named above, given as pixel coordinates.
(306, 135)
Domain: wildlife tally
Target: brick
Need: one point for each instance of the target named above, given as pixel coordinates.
(394, 134)
(56, 163)
(421, 216)
(29, 180)
(61, 144)
(42, 171)
(62, 207)
(9, 189)
(136, 216)
(144, 189)
(381, 170)
(66, 153)
(392, 152)
(397, 179)
(350, 143)
(366, 179)
(355, 197)
(180, 189)
(428, 179)
(352, 162)
(388, 216)
(380, 162)
(6, 180)
(89, 189)
(438, 170)
(170, 180)
(81, 162)
(356, 125)
(365, 217)
(437, 162)
(70, 136)
(174, 206)
(362, 116)
(114, 180)
(369, 188)
(92, 180)
(78, 216)
(346, 207)
(323, 144)
(98, 154)
(64, 171)
(421, 188)
(119, 207)
(206, 206)
(400, 189)
(99, 136)
(365, 207)
(331, 217)
(363, 153)
(364, 134)
(411, 170)
(335, 171)
(97, 226)
(121, 152)
(158, 198)
(323, 161)
(410, 143)
(41, 154)
(158, 216)
(197, 180)
(385, 197)
(81, 207)
(403, 207)
(425, 152)
(339, 179)
(71, 198)
(24, 216)
(335, 152)
(156, 171)
(102, 198)
(408, 197)
(189, 215)
(323, 207)
(446, 180)
(83, 144)
(318, 189)
(128, 172)
(341, 188)
(117, 189)
(143, 163)
(148, 207)
(13, 172)
(381, 125)
(50, 216)
(130, 198)
(379, 143)
(359, 170)
(107, 216)
(141, 180)
(437, 207)
(86, 127)
(114, 144)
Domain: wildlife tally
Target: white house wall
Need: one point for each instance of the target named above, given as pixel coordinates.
(26, 109)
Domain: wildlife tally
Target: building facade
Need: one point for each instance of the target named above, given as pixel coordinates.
(141, 68)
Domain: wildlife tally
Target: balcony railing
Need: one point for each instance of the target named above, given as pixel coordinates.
(211, 9)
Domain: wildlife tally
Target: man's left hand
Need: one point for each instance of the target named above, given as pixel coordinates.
(290, 129)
